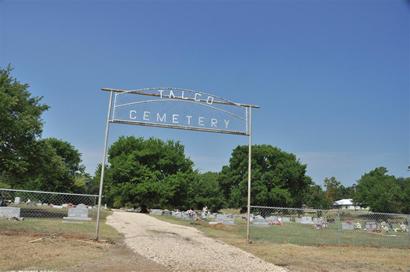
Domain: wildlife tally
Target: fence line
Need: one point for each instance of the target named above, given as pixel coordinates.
(45, 192)
(49, 212)
(329, 227)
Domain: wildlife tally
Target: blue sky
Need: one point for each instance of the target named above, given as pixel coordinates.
(332, 77)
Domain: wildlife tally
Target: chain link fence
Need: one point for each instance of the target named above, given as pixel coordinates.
(48, 212)
(341, 227)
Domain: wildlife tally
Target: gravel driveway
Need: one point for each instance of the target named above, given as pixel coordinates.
(181, 248)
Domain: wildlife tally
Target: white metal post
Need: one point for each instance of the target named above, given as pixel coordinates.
(248, 221)
(104, 159)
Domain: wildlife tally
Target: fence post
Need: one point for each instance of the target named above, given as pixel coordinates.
(408, 227)
(339, 227)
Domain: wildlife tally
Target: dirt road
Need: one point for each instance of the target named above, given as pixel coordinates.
(181, 248)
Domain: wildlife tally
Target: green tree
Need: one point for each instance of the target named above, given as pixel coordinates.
(70, 155)
(404, 184)
(146, 172)
(177, 191)
(207, 192)
(278, 178)
(316, 198)
(21, 125)
(379, 191)
(334, 190)
(55, 166)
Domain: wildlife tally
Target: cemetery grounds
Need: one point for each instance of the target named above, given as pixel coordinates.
(300, 247)
(49, 244)
(42, 240)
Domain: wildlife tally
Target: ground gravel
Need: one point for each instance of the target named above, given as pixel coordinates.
(181, 248)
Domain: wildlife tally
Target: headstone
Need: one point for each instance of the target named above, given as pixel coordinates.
(185, 216)
(226, 219)
(371, 226)
(274, 220)
(79, 213)
(9, 212)
(347, 226)
(17, 200)
(176, 214)
(156, 212)
(260, 221)
(319, 223)
(307, 220)
(285, 219)
(167, 213)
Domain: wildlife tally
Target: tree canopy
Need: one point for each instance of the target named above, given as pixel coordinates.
(278, 178)
(140, 169)
(336, 190)
(382, 192)
(26, 161)
(21, 125)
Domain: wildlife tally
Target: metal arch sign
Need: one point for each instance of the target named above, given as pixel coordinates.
(179, 109)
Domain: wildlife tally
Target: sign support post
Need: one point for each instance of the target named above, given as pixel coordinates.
(104, 159)
(249, 125)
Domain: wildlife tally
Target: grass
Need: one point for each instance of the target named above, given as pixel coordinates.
(294, 233)
(60, 227)
(302, 248)
(307, 235)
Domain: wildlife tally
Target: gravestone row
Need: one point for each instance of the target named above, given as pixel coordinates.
(78, 213)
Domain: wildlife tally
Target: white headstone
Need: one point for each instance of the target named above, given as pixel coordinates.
(9, 212)
(156, 212)
(78, 213)
(17, 200)
(228, 221)
(306, 220)
(274, 220)
(167, 213)
(220, 217)
(260, 221)
(347, 226)
(371, 226)
(185, 216)
(285, 219)
(177, 214)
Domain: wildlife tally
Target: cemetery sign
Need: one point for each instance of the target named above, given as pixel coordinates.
(177, 108)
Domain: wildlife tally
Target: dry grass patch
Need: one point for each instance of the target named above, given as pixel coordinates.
(52, 245)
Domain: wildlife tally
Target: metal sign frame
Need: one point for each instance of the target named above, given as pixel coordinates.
(186, 96)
